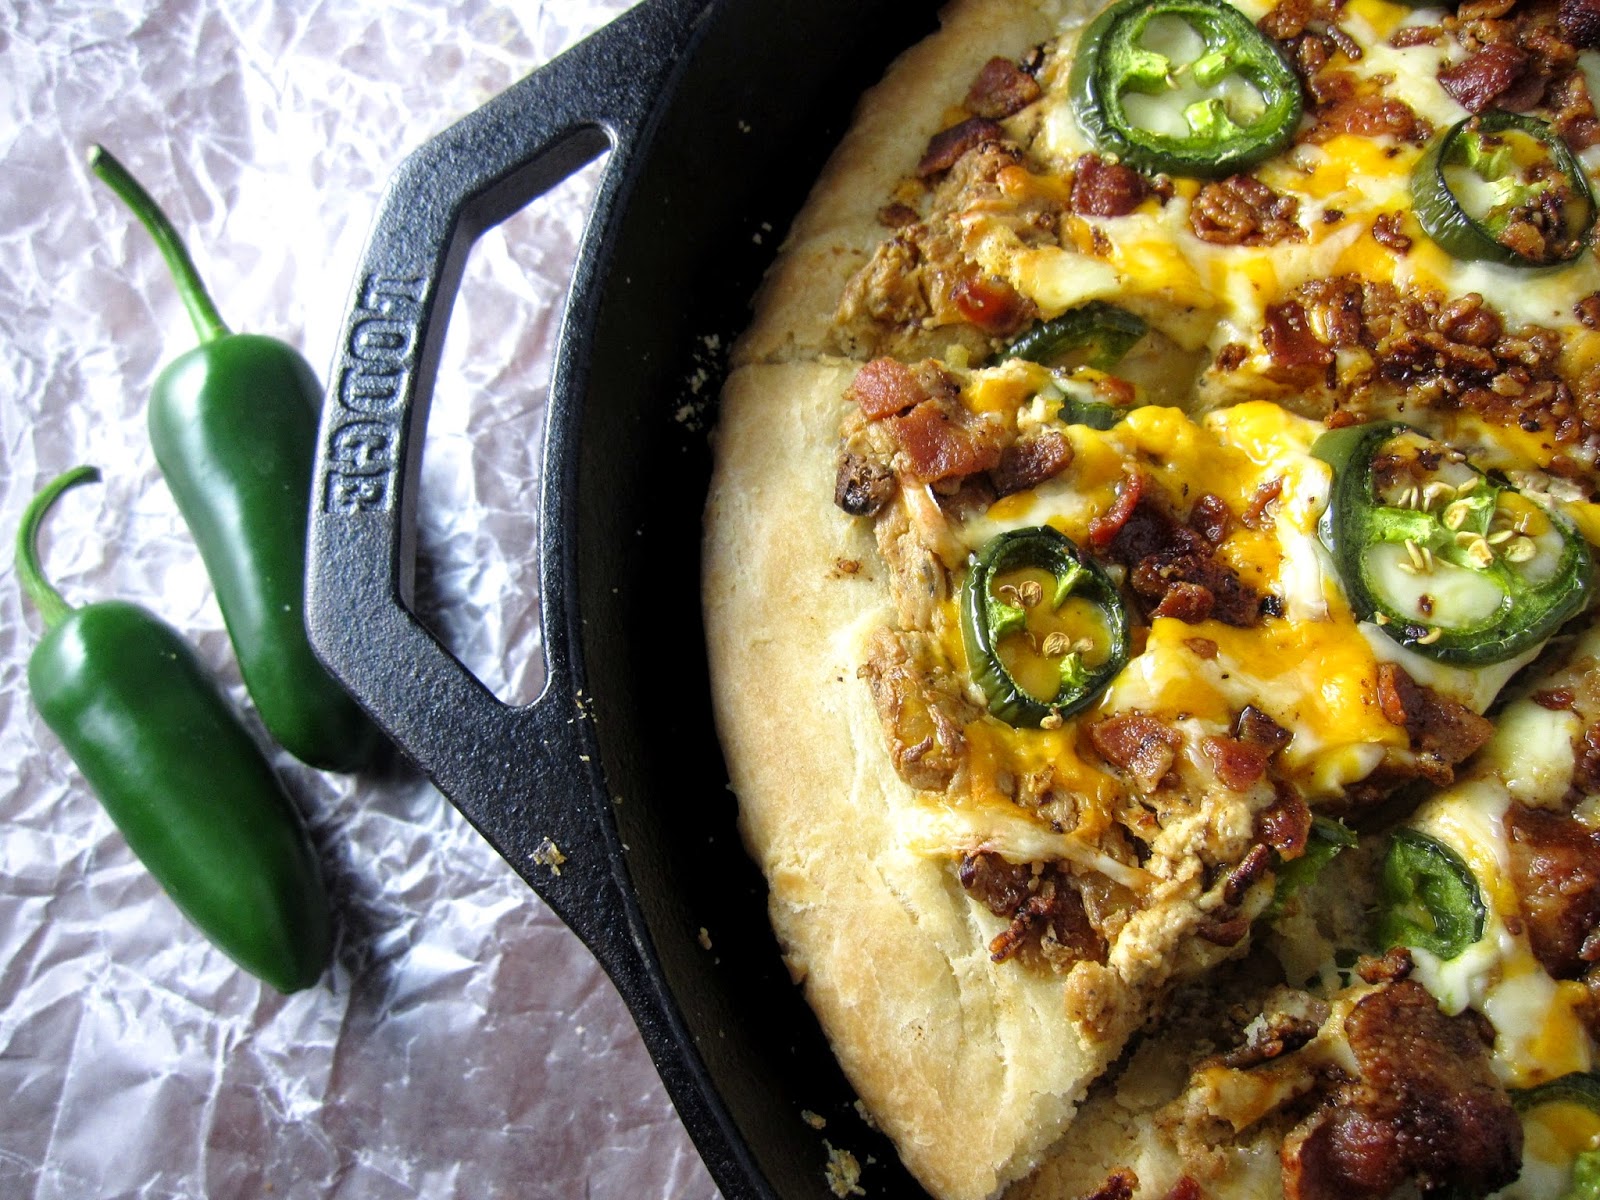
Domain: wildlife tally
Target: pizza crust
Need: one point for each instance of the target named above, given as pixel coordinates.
(972, 1068)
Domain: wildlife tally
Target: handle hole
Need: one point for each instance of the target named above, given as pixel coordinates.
(477, 525)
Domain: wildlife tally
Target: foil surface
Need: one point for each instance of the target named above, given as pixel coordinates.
(464, 1044)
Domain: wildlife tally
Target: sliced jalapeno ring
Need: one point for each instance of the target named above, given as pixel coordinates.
(1044, 628)
(1503, 187)
(1428, 898)
(1447, 562)
(1185, 87)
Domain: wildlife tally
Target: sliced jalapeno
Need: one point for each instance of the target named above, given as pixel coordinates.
(1186, 87)
(1044, 628)
(1427, 897)
(1448, 563)
(1097, 335)
(1505, 188)
(1581, 1088)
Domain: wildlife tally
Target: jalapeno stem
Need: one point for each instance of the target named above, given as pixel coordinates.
(208, 323)
(39, 590)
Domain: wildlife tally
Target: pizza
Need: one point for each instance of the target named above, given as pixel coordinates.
(1148, 586)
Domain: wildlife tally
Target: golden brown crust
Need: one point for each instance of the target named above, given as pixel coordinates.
(971, 1067)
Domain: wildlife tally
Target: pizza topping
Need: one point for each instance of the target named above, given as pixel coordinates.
(1141, 745)
(1504, 188)
(1028, 462)
(1043, 627)
(1001, 89)
(1441, 731)
(1555, 861)
(1424, 1106)
(1102, 188)
(1097, 335)
(922, 710)
(1243, 211)
(1475, 82)
(1446, 562)
(946, 147)
(862, 486)
(1183, 87)
(1428, 898)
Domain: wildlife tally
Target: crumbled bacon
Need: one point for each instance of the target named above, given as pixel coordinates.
(1028, 462)
(1243, 211)
(1118, 1185)
(1256, 515)
(1388, 229)
(1579, 22)
(1211, 518)
(945, 442)
(947, 146)
(1001, 89)
(1555, 862)
(1043, 903)
(1239, 765)
(1393, 965)
(1289, 339)
(1285, 824)
(885, 387)
(1141, 745)
(1244, 876)
(1415, 35)
(1102, 188)
(1276, 1035)
(1253, 725)
(1478, 80)
(1442, 732)
(992, 304)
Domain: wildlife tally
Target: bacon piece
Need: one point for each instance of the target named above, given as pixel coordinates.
(1251, 867)
(1256, 516)
(885, 387)
(1171, 565)
(1425, 1107)
(991, 304)
(946, 147)
(1285, 824)
(1243, 211)
(1555, 862)
(1370, 115)
(1001, 89)
(1185, 1189)
(1141, 745)
(1210, 518)
(1476, 81)
(1253, 725)
(1239, 765)
(1001, 885)
(1442, 732)
(1101, 188)
(1393, 965)
(938, 444)
(1029, 462)
(1274, 1036)
(1388, 230)
(1104, 528)
(1289, 340)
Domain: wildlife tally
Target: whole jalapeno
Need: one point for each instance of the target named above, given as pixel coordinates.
(233, 423)
(177, 771)
(1185, 87)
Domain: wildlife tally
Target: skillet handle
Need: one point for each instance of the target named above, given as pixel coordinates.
(521, 775)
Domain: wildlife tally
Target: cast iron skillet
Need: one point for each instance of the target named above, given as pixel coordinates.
(718, 115)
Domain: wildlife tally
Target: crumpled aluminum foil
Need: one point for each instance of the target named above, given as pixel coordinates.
(464, 1044)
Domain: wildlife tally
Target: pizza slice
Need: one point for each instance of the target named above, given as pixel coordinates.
(1165, 443)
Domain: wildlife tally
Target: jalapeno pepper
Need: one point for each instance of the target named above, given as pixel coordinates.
(1096, 335)
(1581, 1088)
(233, 423)
(177, 771)
(1427, 897)
(1185, 87)
(1447, 562)
(1505, 188)
(1044, 628)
